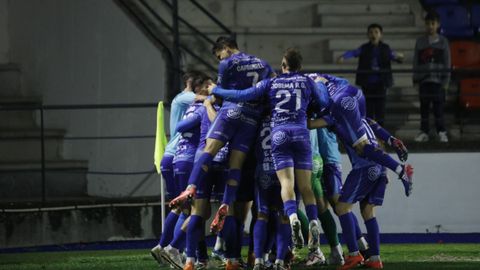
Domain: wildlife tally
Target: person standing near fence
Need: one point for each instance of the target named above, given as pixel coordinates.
(432, 54)
(374, 57)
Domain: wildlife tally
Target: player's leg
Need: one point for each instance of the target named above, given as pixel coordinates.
(231, 185)
(284, 239)
(350, 192)
(286, 178)
(166, 168)
(194, 231)
(304, 185)
(350, 128)
(199, 171)
(199, 213)
(244, 131)
(367, 206)
(220, 132)
(373, 230)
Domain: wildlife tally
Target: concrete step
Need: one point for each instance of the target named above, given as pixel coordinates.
(408, 56)
(25, 144)
(397, 44)
(362, 8)
(355, 31)
(63, 178)
(365, 20)
(9, 80)
(21, 118)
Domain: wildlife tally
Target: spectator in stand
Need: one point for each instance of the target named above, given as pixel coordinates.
(375, 57)
(432, 54)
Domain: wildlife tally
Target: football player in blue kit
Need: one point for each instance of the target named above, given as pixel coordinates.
(289, 95)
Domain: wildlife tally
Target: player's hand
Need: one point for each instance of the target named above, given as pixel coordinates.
(400, 148)
(209, 101)
(210, 88)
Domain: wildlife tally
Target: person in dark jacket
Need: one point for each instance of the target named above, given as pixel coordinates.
(374, 60)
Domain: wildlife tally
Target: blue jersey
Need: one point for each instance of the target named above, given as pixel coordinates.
(334, 85)
(328, 146)
(265, 174)
(205, 124)
(355, 159)
(289, 95)
(241, 71)
(189, 140)
(179, 105)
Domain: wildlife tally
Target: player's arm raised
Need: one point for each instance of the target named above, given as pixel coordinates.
(235, 95)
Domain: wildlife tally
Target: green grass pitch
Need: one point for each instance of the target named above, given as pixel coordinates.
(399, 256)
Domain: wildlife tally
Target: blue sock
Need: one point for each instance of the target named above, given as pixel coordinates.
(312, 212)
(348, 231)
(284, 237)
(379, 156)
(230, 236)
(272, 232)
(168, 229)
(202, 253)
(193, 234)
(200, 169)
(231, 190)
(290, 207)
(179, 235)
(239, 238)
(259, 237)
(373, 236)
(358, 231)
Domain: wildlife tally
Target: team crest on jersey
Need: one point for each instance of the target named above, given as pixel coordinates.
(233, 113)
(265, 181)
(348, 103)
(373, 173)
(279, 138)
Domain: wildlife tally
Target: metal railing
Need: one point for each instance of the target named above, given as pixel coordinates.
(43, 138)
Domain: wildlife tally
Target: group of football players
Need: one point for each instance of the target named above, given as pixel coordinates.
(266, 143)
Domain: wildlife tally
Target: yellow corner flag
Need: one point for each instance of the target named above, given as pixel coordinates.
(160, 138)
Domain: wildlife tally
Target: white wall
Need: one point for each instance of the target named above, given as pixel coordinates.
(4, 43)
(89, 52)
(445, 193)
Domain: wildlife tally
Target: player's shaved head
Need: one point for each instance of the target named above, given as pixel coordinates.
(293, 59)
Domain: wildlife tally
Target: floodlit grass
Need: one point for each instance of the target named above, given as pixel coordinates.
(412, 256)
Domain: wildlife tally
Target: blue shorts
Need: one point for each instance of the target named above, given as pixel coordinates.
(348, 109)
(234, 126)
(332, 179)
(267, 193)
(166, 168)
(364, 183)
(291, 148)
(182, 170)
